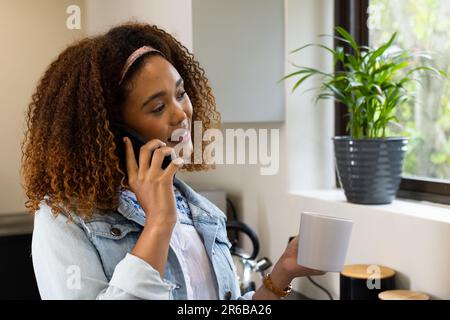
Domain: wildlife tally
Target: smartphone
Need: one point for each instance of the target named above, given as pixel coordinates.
(137, 140)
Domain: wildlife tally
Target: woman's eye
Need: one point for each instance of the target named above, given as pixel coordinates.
(182, 95)
(161, 107)
(158, 109)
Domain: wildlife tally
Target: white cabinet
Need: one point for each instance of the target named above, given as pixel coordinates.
(240, 44)
(174, 16)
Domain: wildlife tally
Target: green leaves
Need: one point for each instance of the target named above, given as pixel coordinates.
(371, 85)
(350, 39)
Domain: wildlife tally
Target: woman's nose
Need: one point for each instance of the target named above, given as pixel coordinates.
(178, 114)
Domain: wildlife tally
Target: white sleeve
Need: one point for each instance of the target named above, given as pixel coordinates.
(67, 266)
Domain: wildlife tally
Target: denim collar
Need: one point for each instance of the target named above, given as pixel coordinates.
(202, 210)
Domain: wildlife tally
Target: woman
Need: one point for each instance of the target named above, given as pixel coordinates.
(112, 224)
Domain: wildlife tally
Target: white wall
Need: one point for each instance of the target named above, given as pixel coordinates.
(33, 33)
(309, 126)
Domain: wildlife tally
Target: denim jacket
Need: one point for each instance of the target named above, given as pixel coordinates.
(90, 258)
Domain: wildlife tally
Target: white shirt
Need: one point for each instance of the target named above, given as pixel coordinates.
(194, 261)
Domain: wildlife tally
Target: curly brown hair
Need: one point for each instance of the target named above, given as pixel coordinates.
(69, 153)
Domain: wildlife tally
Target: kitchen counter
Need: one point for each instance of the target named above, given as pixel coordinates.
(15, 224)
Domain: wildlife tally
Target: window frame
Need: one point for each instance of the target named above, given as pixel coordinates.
(352, 15)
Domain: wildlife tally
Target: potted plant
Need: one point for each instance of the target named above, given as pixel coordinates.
(370, 84)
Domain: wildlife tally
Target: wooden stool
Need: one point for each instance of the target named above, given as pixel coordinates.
(354, 281)
(402, 295)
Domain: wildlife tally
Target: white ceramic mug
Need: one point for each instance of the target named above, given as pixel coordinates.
(323, 241)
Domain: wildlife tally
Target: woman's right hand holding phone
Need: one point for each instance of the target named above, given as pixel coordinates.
(153, 189)
(151, 184)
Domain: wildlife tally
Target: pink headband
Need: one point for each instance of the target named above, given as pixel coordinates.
(133, 57)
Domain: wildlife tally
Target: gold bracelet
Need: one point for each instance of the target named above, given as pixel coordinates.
(269, 285)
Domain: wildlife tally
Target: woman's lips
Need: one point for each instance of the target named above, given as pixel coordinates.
(180, 135)
(185, 137)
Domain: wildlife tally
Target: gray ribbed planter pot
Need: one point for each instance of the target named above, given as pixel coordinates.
(370, 170)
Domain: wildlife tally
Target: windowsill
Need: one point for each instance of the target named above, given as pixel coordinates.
(418, 209)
